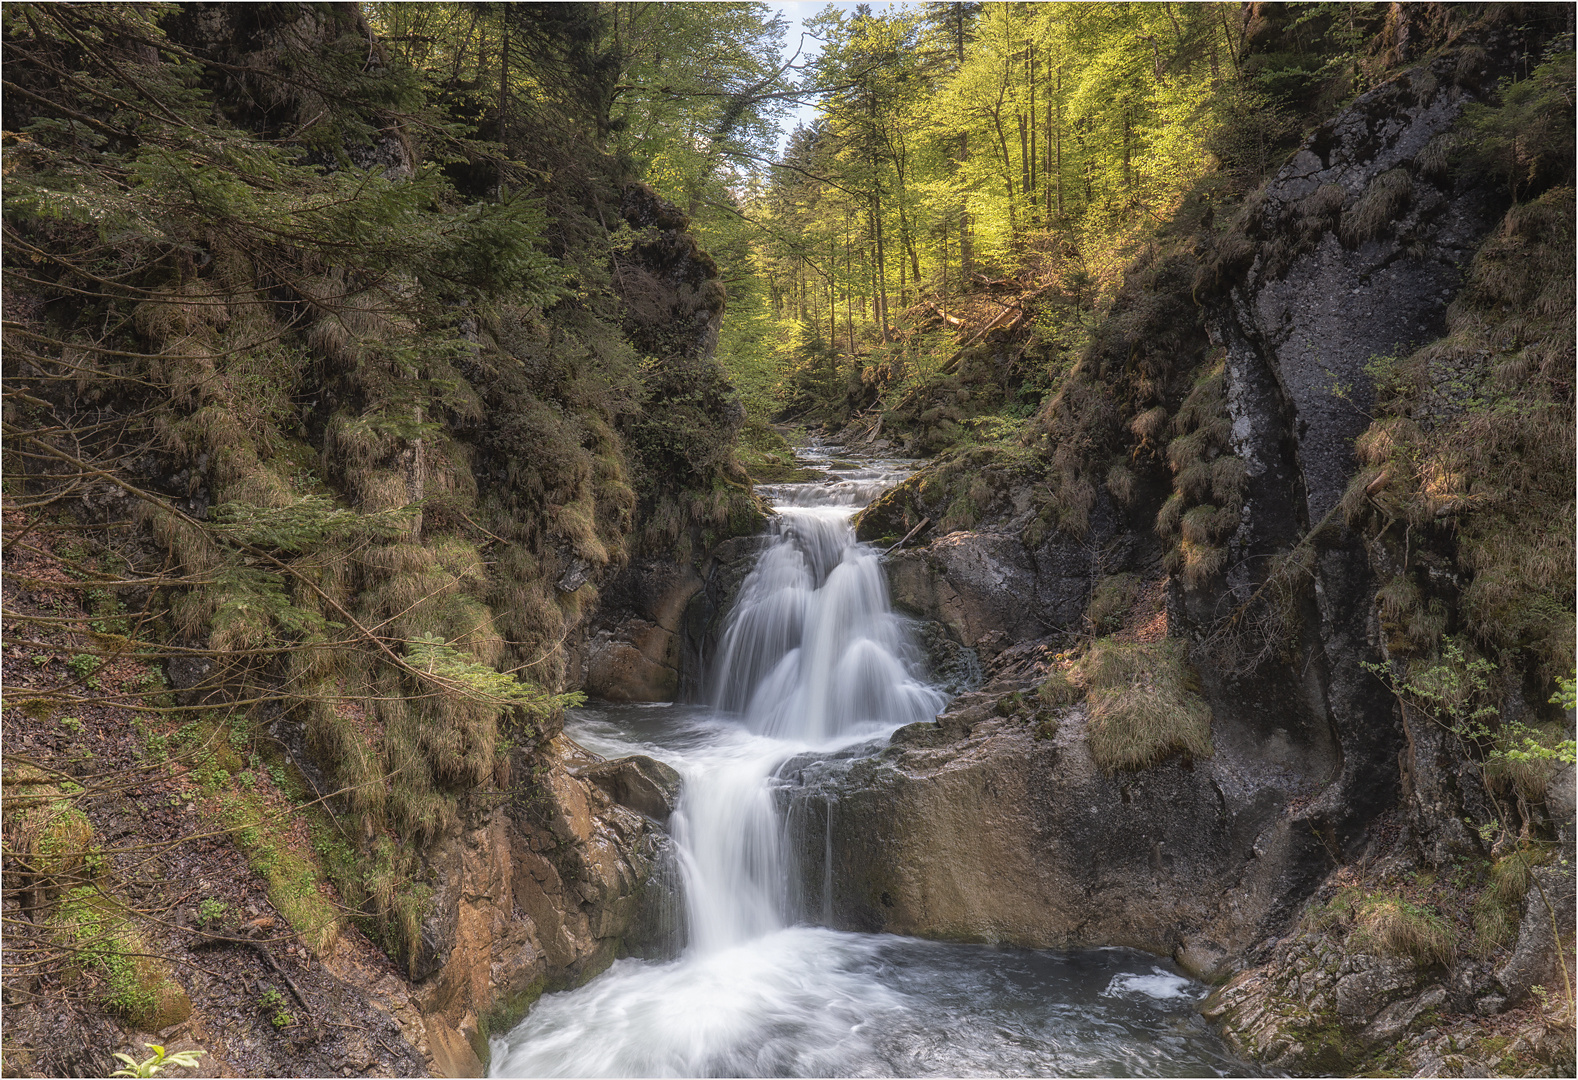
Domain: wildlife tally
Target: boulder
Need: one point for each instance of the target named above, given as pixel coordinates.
(643, 784)
(994, 824)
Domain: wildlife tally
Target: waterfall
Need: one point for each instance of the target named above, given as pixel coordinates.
(813, 661)
(812, 656)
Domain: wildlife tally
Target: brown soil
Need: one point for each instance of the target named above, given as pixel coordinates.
(261, 1003)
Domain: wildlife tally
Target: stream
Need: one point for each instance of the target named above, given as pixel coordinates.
(814, 661)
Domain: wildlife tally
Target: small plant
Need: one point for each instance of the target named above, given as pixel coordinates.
(272, 1001)
(152, 679)
(1455, 691)
(211, 910)
(151, 1066)
(72, 724)
(1396, 927)
(83, 666)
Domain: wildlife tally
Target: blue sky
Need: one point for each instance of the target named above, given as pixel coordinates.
(796, 11)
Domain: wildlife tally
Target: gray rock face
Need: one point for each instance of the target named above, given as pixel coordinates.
(656, 621)
(1377, 281)
(1547, 909)
(641, 783)
(1362, 244)
(980, 827)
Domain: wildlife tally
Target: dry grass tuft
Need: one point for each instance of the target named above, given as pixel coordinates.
(1120, 484)
(1379, 207)
(1142, 705)
(1474, 447)
(1149, 425)
(1394, 927)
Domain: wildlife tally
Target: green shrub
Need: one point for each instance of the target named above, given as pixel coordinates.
(1111, 601)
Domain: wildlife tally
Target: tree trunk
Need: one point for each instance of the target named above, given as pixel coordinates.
(881, 268)
(1059, 172)
(1030, 107)
(966, 248)
(1008, 166)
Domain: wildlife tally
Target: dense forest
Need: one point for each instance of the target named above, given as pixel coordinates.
(361, 358)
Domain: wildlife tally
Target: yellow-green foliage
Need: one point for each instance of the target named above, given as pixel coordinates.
(1396, 927)
(138, 987)
(1476, 443)
(1142, 702)
(1525, 759)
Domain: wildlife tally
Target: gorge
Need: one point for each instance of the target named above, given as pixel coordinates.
(1065, 566)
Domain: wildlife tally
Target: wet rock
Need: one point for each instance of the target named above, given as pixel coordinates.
(634, 650)
(534, 894)
(644, 784)
(986, 588)
(983, 826)
(656, 620)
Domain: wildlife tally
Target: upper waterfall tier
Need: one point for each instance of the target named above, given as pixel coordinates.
(813, 651)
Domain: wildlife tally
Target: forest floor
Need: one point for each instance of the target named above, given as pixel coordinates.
(144, 915)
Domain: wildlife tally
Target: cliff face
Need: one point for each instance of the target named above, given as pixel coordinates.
(1013, 819)
(539, 893)
(383, 426)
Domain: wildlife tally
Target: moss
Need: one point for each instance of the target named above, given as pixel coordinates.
(62, 838)
(135, 985)
(1059, 688)
(291, 876)
(1335, 913)
(956, 491)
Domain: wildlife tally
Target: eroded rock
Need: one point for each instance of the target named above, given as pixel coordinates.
(537, 893)
(642, 783)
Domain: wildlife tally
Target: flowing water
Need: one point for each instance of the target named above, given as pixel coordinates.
(813, 660)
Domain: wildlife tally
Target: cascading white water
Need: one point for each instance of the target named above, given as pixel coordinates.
(812, 656)
(813, 659)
